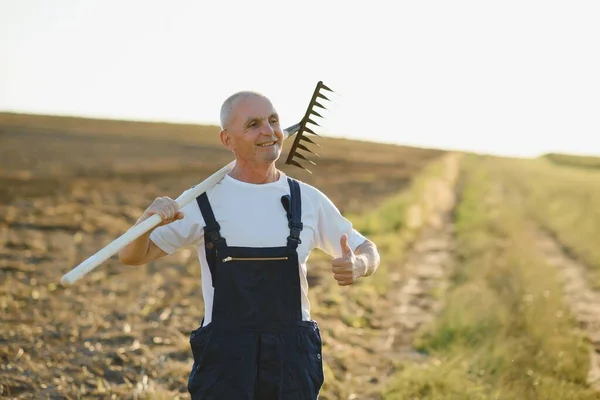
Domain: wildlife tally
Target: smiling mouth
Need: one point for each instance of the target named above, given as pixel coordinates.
(266, 144)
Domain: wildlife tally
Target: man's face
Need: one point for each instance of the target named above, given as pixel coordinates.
(254, 133)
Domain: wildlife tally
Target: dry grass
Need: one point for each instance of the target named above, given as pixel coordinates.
(573, 161)
(565, 200)
(44, 155)
(356, 321)
(504, 332)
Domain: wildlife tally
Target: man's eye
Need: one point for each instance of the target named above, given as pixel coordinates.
(253, 124)
(274, 121)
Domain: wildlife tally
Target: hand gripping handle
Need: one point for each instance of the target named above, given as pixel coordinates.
(138, 230)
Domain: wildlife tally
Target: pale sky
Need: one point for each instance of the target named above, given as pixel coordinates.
(504, 77)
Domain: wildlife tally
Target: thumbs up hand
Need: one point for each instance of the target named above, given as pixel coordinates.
(347, 268)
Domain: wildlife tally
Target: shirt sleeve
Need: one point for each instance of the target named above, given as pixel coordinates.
(331, 226)
(181, 233)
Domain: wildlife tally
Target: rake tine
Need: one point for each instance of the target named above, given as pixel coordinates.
(316, 113)
(322, 85)
(317, 104)
(303, 147)
(297, 164)
(311, 131)
(300, 155)
(310, 141)
(308, 120)
(322, 96)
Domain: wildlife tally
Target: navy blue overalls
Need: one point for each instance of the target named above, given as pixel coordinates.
(257, 347)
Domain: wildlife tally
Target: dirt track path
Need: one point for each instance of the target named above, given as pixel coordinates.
(420, 282)
(424, 280)
(583, 301)
(418, 298)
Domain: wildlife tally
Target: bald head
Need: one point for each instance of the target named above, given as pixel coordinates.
(229, 105)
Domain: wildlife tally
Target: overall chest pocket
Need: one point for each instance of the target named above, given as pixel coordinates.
(231, 258)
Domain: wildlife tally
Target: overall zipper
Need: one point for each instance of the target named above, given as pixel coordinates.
(227, 259)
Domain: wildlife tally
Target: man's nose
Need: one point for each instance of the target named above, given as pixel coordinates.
(268, 129)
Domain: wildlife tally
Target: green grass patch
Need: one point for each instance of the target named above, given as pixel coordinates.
(573, 160)
(343, 311)
(396, 222)
(504, 332)
(565, 200)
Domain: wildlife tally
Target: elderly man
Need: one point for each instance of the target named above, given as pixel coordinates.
(254, 232)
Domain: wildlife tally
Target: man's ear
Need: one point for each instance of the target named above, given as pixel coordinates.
(226, 139)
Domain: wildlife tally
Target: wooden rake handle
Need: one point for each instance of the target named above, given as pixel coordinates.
(138, 230)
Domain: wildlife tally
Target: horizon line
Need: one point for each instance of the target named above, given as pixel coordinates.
(183, 122)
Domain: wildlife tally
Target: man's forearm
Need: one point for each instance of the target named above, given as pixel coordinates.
(135, 252)
(369, 256)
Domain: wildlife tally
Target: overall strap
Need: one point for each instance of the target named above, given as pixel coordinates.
(213, 241)
(294, 214)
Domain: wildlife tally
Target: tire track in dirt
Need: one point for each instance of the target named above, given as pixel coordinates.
(418, 298)
(425, 275)
(583, 301)
(419, 283)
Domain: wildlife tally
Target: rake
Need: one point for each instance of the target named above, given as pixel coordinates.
(303, 128)
(300, 130)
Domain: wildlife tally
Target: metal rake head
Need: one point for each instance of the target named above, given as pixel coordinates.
(301, 129)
